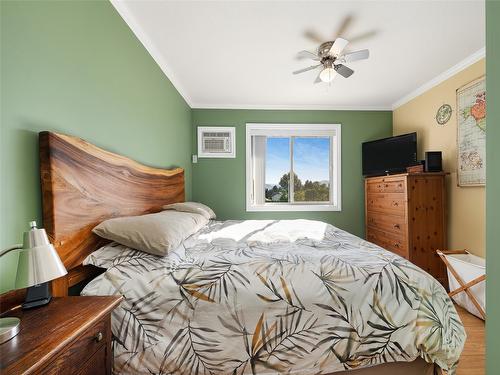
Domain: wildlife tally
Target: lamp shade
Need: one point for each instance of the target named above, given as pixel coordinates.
(38, 260)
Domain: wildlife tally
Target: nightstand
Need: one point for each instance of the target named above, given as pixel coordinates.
(70, 335)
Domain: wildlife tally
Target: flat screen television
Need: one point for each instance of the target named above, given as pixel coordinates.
(389, 155)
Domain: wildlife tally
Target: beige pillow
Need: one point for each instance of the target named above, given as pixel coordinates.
(194, 207)
(154, 233)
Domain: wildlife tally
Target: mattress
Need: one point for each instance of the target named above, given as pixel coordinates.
(272, 297)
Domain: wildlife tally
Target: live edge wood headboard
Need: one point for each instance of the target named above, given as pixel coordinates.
(83, 185)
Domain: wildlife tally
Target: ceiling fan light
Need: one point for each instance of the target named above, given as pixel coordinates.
(327, 75)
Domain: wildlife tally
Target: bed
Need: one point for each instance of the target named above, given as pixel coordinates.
(242, 297)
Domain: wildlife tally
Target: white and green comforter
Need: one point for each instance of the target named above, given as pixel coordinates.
(267, 297)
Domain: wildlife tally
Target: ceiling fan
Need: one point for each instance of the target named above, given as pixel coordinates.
(331, 60)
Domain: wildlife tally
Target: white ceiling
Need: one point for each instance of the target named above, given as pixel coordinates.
(240, 54)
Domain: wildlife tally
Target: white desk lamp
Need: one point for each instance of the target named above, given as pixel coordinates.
(38, 264)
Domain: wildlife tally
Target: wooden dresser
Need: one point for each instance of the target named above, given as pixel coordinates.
(71, 335)
(406, 214)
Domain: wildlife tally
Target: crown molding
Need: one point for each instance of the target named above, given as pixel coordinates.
(141, 35)
(139, 32)
(292, 107)
(468, 61)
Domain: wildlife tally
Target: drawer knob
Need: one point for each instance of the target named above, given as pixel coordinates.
(98, 337)
(397, 226)
(396, 245)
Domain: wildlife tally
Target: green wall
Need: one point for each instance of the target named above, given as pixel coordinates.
(220, 183)
(76, 67)
(493, 186)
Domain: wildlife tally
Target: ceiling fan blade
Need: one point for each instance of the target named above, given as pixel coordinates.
(346, 22)
(313, 36)
(363, 36)
(343, 70)
(306, 69)
(355, 56)
(338, 46)
(307, 55)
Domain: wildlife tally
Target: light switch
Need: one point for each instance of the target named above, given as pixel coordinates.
(195, 159)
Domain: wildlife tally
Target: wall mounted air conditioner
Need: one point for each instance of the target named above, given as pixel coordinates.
(216, 142)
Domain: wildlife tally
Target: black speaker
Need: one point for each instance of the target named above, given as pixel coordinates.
(433, 161)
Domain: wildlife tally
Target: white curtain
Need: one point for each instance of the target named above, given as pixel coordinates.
(259, 168)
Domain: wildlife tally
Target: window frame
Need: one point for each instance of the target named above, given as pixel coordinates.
(289, 131)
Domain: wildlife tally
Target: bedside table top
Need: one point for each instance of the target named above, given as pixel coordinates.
(48, 329)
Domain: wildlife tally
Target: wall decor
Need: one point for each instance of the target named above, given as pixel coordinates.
(471, 127)
(443, 114)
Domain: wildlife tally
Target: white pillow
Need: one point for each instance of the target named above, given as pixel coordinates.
(193, 207)
(156, 234)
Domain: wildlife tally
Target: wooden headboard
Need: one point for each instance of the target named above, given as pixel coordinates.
(83, 185)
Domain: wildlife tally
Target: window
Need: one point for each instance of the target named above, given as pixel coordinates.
(293, 167)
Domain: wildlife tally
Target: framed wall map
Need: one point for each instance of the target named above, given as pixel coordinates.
(471, 117)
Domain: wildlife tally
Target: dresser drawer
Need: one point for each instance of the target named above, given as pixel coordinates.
(389, 203)
(80, 351)
(392, 242)
(96, 365)
(387, 223)
(386, 185)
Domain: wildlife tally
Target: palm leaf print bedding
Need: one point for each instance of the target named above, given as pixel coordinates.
(269, 297)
